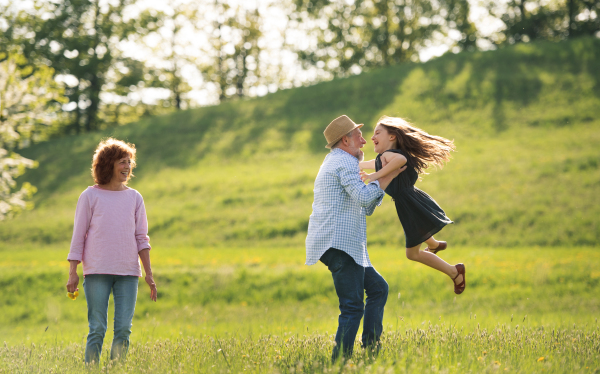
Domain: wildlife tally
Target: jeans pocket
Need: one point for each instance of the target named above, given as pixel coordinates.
(335, 263)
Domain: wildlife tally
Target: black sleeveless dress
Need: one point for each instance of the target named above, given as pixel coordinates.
(420, 216)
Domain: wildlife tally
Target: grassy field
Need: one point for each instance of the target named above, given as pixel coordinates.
(228, 190)
(520, 305)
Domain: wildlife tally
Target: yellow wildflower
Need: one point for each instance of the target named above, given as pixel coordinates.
(497, 363)
(540, 359)
(73, 295)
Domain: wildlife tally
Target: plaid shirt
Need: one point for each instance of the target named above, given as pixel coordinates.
(342, 202)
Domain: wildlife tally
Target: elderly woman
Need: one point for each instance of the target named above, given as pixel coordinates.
(110, 232)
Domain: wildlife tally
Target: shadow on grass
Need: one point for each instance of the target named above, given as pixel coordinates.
(178, 140)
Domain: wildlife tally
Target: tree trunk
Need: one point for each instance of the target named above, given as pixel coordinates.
(95, 84)
(241, 71)
(385, 43)
(571, 5)
(222, 79)
(175, 80)
(117, 113)
(77, 121)
(177, 100)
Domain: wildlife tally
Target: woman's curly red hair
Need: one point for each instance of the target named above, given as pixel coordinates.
(107, 153)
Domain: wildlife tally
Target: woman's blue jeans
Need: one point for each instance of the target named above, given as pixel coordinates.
(97, 291)
(351, 281)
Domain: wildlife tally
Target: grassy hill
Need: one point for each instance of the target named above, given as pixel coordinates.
(525, 119)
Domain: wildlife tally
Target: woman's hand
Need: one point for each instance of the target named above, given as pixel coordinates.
(145, 257)
(152, 284)
(73, 281)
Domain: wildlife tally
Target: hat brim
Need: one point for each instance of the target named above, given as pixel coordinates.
(358, 126)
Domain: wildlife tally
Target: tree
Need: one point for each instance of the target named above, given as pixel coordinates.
(247, 51)
(456, 14)
(351, 36)
(78, 38)
(172, 49)
(29, 99)
(583, 17)
(527, 20)
(122, 101)
(233, 36)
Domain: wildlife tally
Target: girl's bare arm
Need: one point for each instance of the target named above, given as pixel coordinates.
(367, 164)
(391, 161)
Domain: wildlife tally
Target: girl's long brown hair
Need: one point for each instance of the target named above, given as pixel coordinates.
(424, 149)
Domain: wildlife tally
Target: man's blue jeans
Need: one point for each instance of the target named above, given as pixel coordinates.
(97, 291)
(351, 281)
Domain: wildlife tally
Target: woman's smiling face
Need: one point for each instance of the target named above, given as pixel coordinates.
(122, 169)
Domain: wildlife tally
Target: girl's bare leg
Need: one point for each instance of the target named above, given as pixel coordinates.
(431, 260)
(432, 243)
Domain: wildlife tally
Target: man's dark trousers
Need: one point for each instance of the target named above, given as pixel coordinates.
(351, 281)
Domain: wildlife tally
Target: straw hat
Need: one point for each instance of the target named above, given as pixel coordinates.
(338, 128)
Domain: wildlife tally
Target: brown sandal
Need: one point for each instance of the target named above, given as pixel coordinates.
(440, 247)
(459, 288)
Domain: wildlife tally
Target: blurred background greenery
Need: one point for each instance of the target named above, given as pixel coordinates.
(227, 172)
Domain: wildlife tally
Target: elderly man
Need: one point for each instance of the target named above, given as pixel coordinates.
(337, 235)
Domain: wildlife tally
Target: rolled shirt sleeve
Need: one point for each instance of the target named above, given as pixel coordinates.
(368, 210)
(141, 226)
(366, 195)
(83, 216)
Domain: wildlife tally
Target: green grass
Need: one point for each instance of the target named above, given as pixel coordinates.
(430, 349)
(263, 303)
(525, 120)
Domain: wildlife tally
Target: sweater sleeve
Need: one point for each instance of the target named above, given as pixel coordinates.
(141, 226)
(83, 216)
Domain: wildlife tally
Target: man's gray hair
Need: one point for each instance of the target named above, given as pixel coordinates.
(337, 144)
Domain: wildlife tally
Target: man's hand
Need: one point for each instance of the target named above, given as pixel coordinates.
(152, 284)
(385, 181)
(366, 177)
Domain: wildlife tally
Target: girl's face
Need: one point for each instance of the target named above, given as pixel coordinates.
(122, 169)
(382, 139)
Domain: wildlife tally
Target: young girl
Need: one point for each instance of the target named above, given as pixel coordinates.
(398, 143)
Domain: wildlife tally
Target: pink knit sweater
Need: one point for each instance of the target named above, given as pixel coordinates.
(110, 229)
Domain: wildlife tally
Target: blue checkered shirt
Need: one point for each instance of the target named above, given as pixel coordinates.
(342, 202)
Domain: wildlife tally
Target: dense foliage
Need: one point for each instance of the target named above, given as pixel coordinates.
(29, 99)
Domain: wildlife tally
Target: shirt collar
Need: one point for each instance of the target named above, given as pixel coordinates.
(337, 151)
